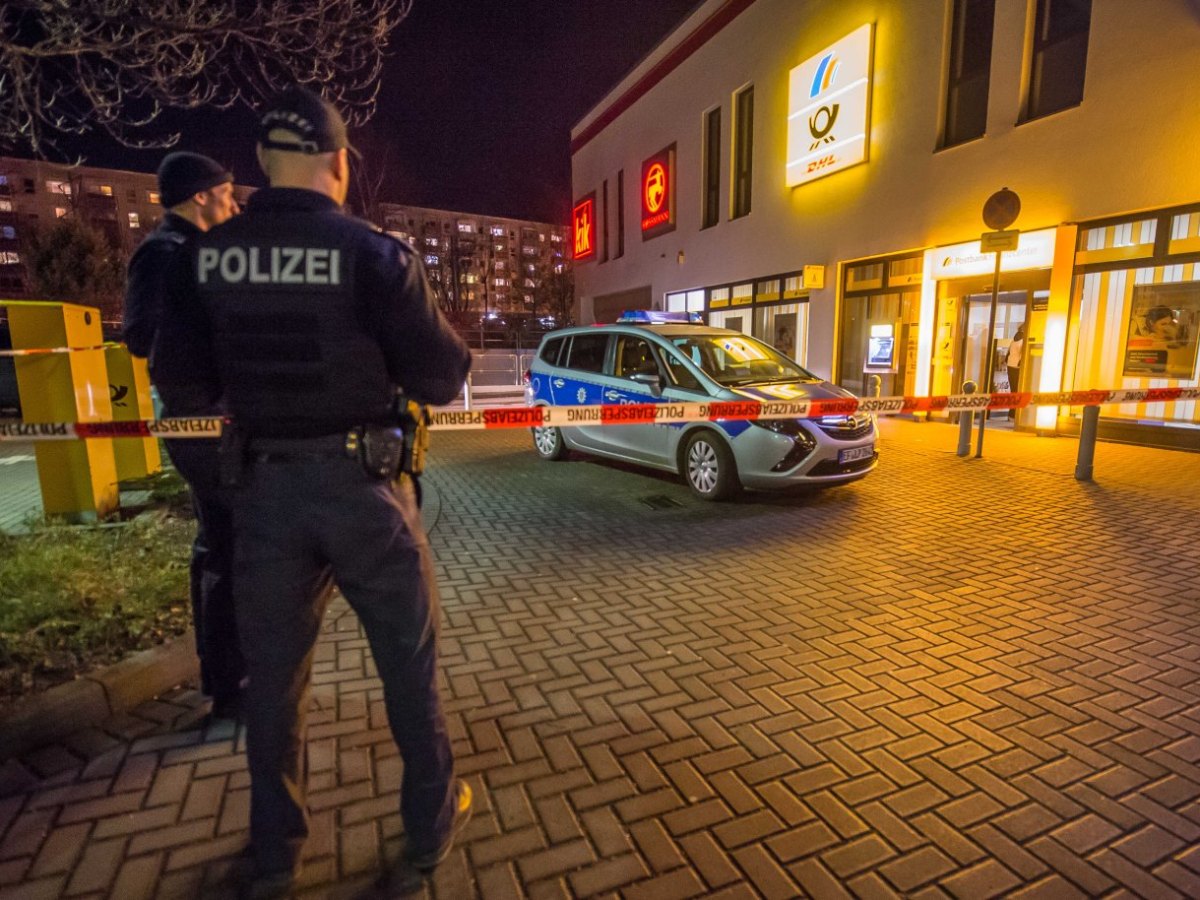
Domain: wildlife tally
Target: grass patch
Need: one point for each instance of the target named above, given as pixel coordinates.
(76, 597)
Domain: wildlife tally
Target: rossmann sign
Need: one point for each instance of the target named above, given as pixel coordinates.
(829, 109)
(658, 193)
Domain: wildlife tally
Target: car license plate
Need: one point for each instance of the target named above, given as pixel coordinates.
(845, 456)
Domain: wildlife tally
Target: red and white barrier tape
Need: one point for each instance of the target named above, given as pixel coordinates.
(46, 351)
(664, 412)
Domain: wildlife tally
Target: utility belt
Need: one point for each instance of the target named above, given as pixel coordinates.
(385, 452)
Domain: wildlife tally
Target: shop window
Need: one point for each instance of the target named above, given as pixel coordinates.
(1060, 45)
(767, 290)
(743, 151)
(677, 302)
(718, 298)
(864, 277)
(793, 287)
(712, 168)
(970, 70)
(743, 294)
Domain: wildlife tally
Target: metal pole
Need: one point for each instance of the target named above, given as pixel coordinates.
(990, 355)
(965, 420)
(1087, 443)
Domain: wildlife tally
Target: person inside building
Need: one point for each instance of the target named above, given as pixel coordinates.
(305, 323)
(1016, 351)
(197, 193)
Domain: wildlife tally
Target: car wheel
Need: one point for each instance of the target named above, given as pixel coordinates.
(548, 442)
(708, 467)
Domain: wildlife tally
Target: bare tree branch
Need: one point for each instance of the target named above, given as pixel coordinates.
(74, 66)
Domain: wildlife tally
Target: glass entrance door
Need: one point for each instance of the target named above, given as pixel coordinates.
(1011, 311)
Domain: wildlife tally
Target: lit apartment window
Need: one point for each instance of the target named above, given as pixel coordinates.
(431, 260)
(134, 221)
(59, 212)
(8, 258)
(970, 69)
(556, 238)
(153, 197)
(712, 168)
(1060, 44)
(59, 187)
(105, 190)
(497, 231)
(431, 242)
(743, 150)
(8, 233)
(466, 228)
(499, 265)
(5, 206)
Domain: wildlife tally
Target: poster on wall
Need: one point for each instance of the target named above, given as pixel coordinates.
(1164, 320)
(785, 334)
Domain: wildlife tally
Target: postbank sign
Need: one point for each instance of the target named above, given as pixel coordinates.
(583, 228)
(658, 193)
(829, 109)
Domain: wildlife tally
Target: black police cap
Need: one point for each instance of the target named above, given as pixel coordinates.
(182, 174)
(316, 123)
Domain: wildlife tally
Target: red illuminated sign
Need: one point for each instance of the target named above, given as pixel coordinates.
(658, 194)
(583, 226)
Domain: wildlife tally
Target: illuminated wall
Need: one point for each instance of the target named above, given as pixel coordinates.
(1130, 145)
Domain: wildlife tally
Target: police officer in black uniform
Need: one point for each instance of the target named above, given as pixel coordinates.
(305, 322)
(197, 193)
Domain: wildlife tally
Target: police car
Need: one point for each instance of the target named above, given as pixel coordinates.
(656, 357)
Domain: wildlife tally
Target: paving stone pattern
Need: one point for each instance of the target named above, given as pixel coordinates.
(952, 679)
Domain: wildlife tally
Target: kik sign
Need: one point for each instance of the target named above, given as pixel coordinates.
(583, 226)
(658, 193)
(829, 109)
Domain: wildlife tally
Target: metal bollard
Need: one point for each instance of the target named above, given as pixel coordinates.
(1087, 443)
(965, 421)
(467, 393)
(876, 385)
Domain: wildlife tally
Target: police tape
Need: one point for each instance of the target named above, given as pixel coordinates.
(662, 412)
(47, 351)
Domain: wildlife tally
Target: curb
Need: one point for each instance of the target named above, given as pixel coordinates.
(91, 699)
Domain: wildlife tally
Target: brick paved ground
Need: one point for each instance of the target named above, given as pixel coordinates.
(953, 679)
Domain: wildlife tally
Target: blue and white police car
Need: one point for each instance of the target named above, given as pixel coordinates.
(656, 357)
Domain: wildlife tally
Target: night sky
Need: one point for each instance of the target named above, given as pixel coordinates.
(477, 102)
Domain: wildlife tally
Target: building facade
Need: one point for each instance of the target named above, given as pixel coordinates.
(487, 268)
(813, 172)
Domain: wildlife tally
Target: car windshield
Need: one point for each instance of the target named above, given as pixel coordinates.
(735, 359)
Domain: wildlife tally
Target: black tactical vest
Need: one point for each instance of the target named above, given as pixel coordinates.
(295, 357)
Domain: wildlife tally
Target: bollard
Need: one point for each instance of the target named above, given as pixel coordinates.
(965, 420)
(876, 385)
(1087, 443)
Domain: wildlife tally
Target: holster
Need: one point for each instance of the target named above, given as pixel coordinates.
(382, 451)
(231, 454)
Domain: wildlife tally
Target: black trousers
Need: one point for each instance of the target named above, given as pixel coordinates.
(221, 664)
(302, 526)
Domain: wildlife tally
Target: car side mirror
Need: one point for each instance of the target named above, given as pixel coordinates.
(651, 381)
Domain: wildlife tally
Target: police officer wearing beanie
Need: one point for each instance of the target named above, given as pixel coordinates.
(304, 323)
(197, 193)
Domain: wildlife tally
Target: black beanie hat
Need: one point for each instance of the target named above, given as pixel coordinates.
(183, 174)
